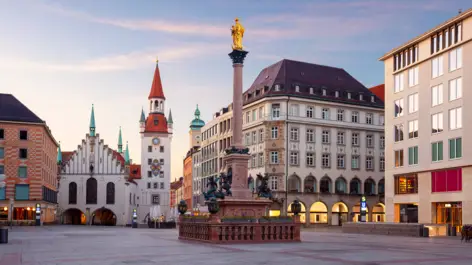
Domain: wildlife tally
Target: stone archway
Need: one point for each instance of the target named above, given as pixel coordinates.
(339, 213)
(318, 213)
(378, 213)
(103, 216)
(73, 216)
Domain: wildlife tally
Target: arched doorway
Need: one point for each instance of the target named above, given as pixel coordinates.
(302, 212)
(339, 213)
(318, 213)
(378, 213)
(356, 213)
(103, 216)
(73, 216)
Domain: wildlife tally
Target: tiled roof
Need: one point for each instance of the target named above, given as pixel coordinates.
(11, 109)
(289, 74)
(134, 172)
(156, 88)
(66, 156)
(152, 126)
(119, 157)
(379, 91)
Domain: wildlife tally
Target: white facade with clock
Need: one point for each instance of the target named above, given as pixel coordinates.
(156, 138)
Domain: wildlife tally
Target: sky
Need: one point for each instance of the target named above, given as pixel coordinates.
(60, 57)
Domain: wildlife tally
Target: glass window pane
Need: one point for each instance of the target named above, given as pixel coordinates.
(458, 147)
(452, 149)
(434, 149)
(440, 151)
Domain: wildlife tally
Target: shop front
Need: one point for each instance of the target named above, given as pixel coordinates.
(449, 213)
(406, 213)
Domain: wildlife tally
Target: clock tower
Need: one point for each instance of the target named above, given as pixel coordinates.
(195, 130)
(156, 138)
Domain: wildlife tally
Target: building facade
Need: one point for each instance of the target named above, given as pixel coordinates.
(94, 182)
(156, 138)
(188, 179)
(197, 186)
(28, 153)
(428, 170)
(320, 139)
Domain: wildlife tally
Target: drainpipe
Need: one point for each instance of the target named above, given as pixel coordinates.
(286, 157)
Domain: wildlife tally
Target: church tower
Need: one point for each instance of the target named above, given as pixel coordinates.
(195, 133)
(156, 138)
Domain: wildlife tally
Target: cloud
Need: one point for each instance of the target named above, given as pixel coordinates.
(118, 62)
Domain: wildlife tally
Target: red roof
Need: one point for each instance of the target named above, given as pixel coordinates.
(66, 156)
(134, 172)
(379, 91)
(156, 122)
(156, 88)
(119, 157)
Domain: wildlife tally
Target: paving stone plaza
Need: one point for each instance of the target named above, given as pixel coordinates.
(73, 245)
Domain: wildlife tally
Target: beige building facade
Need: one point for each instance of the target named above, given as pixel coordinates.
(428, 170)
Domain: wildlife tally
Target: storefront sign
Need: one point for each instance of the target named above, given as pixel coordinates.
(363, 209)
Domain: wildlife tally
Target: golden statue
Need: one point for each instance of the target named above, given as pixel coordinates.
(237, 31)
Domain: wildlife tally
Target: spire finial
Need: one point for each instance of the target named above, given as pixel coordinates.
(120, 142)
(157, 59)
(92, 122)
(59, 154)
(143, 117)
(170, 120)
(127, 154)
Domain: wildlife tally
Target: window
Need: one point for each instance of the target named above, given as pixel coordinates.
(110, 193)
(455, 59)
(355, 139)
(261, 135)
(310, 135)
(437, 151)
(355, 116)
(72, 193)
(22, 172)
(161, 174)
(254, 117)
(325, 160)
(382, 163)
(398, 158)
(398, 132)
(406, 184)
(382, 120)
(2, 134)
(155, 185)
(437, 95)
(248, 117)
(161, 185)
(310, 159)
(149, 174)
(325, 137)
(413, 155)
(369, 163)
(294, 110)
(437, 66)
(341, 161)
(293, 158)
(446, 180)
(91, 191)
(2, 152)
(413, 76)
(455, 89)
(253, 161)
(325, 114)
(455, 148)
(382, 142)
(294, 134)
(148, 186)
(413, 129)
(161, 149)
(274, 157)
(247, 139)
(398, 82)
(275, 110)
(21, 192)
(254, 137)
(149, 149)
(261, 159)
(155, 199)
(2, 169)
(398, 107)
(23, 153)
(370, 140)
(413, 103)
(340, 138)
(355, 159)
(23, 135)
(309, 112)
(261, 112)
(369, 118)
(149, 161)
(161, 161)
(275, 132)
(273, 183)
(455, 118)
(340, 115)
(437, 123)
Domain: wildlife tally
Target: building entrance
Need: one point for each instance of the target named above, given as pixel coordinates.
(449, 213)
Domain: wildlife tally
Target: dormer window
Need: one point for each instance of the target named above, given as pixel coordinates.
(372, 98)
(297, 89)
(324, 92)
(336, 94)
(348, 95)
(361, 97)
(277, 87)
(311, 90)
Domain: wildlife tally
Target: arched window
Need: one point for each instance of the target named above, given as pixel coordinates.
(110, 193)
(294, 183)
(340, 186)
(369, 187)
(355, 186)
(72, 193)
(156, 105)
(91, 197)
(310, 184)
(325, 185)
(382, 186)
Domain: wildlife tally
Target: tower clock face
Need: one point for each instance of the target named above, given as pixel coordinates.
(156, 141)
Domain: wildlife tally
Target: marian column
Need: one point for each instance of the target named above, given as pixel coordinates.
(237, 157)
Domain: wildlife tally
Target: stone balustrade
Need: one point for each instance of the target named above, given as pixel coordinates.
(393, 229)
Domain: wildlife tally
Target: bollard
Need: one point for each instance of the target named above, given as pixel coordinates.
(3, 235)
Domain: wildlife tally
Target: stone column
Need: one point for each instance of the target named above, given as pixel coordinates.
(237, 56)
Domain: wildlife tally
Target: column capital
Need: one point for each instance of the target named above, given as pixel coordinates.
(238, 56)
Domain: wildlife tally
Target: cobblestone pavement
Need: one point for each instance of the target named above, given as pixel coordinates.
(73, 245)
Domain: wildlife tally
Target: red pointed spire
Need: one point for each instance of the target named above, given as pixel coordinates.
(156, 88)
